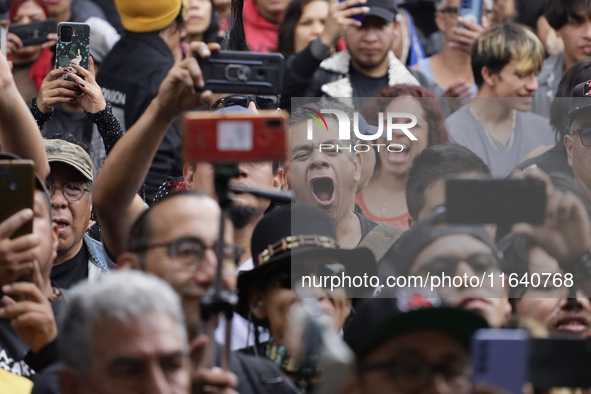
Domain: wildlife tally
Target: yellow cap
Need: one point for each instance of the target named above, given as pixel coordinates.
(144, 16)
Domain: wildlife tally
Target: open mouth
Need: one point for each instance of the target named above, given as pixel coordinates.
(398, 156)
(61, 224)
(323, 189)
(577, 325)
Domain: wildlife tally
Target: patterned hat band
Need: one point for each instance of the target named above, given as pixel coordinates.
(295, 241)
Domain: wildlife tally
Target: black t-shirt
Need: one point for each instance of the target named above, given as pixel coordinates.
(67, 274)
(364, 86)
(366, 225)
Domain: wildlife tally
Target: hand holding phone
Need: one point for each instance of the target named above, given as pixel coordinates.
(566, 232)
(34, 33)
(178, 93)
(345, 13)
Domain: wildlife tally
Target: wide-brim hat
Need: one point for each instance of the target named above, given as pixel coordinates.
(298, 239)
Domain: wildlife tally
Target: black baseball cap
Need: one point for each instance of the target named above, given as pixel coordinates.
(580, 99)
(385, 9)
(378, 320)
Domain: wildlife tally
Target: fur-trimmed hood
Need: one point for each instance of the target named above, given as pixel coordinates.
(340, 63)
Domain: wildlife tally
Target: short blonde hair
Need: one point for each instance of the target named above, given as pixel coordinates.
(503, 44)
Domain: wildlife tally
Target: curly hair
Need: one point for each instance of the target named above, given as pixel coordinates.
(433, 113)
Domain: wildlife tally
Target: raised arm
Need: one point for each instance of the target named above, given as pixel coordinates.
(115, 196)
(19, 133)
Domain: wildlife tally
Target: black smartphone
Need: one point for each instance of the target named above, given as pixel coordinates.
(34, 33)
(560, 362)
(243, 72)
(17, 188)
(495, 201)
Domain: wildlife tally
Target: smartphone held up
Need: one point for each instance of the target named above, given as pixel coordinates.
(73, 45)
(223, 138)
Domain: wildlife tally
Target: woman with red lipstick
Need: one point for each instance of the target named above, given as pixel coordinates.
(383, 200)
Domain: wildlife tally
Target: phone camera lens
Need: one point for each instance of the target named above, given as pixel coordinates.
(66, 33)
(243, 73)
(13, 186)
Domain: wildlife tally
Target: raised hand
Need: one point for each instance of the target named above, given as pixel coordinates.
(31, 316)
(92, 100)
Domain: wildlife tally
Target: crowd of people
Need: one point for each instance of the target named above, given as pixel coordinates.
(136, 276)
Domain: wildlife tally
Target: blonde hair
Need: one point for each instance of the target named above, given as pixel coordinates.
(503, 44)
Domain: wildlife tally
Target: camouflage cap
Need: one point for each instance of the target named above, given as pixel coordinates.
(68, 153)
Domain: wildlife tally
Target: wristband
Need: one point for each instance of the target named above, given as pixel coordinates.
(580, 267)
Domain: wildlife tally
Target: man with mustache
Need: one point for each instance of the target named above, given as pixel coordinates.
(70, 186)
(327, 178)
(368, 65)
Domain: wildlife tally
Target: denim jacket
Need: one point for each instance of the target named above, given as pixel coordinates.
(97, 265)
(548, 81)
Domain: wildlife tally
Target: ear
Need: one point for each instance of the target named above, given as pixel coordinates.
(439, 21)
(55, 240)
(411, 222)
(69, 381)
(128, 260)
(568, 144)
(357, 161)
(188, 174)
(488, 77)
(279, 178)
(255, 299)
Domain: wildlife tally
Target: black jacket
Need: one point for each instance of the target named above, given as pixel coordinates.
(130, 76)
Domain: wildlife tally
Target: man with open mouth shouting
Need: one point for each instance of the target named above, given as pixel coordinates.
(327, 178)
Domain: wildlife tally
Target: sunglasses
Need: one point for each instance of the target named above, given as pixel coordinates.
(261, 102)
(451, 10)
(585, 134)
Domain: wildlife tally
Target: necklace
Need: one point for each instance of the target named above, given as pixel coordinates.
(497, 145)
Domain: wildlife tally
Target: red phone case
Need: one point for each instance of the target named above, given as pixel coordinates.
(234, 137)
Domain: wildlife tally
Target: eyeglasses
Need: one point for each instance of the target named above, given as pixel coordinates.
(189, 252)
(261, 102)
(72, 191)
(585, 134)
(414, 376)
(478, 262)
(453, 11)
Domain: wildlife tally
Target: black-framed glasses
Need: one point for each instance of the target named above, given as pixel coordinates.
(261, 102)
(585, 134)
(189, 252)
(414, 376)
(72, 191)
(478, 262)
(453, 11)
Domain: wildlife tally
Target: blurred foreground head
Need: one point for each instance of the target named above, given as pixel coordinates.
(124, 334)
